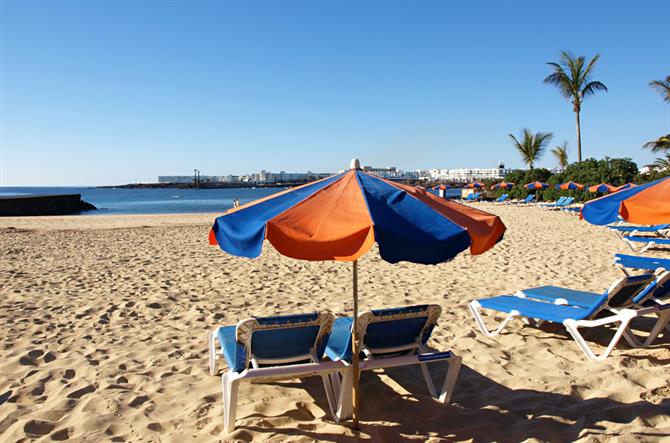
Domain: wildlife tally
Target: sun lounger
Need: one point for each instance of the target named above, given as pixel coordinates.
(502, 198)
(625, 262)
(641, 244)
(472, 197)
(557, 203)
(529, 198)
(272, 348)
(631, 230)
(390, 338)
(624, 300)
(574, 210)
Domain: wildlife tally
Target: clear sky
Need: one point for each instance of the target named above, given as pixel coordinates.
(106, 92)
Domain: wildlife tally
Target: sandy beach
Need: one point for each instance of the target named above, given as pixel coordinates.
(104, 322)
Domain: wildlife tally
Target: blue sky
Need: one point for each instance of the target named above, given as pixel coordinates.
(115, 92)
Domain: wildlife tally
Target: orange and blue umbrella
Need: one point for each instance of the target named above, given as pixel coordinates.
(536, 185)
(474, 185)
(626, 186)
(341, 217)
(647, 204)
(603, 188)
(570, 185)
(502, 185)
(441, 187)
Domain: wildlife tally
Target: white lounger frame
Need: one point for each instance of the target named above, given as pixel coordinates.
(633, 245)
(621, 316)
(230, 380)
(414, 353)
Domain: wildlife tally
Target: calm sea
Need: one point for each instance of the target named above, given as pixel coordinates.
(156, 201)
(152, 201)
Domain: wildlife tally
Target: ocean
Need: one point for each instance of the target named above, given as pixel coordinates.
(151, 201)
(156, 201)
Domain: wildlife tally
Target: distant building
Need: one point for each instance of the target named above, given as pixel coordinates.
(464, 175)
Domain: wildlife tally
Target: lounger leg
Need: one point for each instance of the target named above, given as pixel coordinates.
(211, 338)
(573, 328)
(476, 313)
(661, 324)
(450, 379)
(230, 388)
(344, 404)
(429, 380)
(330, 395)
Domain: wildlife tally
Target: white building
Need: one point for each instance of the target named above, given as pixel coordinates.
(464, 175)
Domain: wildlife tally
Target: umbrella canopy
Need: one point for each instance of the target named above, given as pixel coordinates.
(536, 185)
(341, 217)
(603, 188)
(475, 185)
(570, 185)
(647, 204)
(626, 186)
(502, 185)
(441, 187)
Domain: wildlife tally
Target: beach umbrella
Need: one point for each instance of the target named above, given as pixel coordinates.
(502, 185)
(626, 186)
(441, 187)
(603, 188)
(536, 185)
(474, 185)
(570, 185)
(647, 204)
(342, 216)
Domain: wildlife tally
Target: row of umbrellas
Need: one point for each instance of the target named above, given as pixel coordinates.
(602, 188)
(341, 217)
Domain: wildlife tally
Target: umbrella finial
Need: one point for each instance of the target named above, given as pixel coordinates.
(355, 164)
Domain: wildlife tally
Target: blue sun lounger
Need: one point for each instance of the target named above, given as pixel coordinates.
(272, 348)
(472, 197)
(634, 242)
(502, 198)
(560, 203)
(625, 262)
(628, 230)
(390, 338)
(625, 300)
(529, 198)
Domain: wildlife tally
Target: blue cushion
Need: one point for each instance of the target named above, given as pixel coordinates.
(534, 309)
(582, 299)
(637, 262)
(233, 352)
(339, 344)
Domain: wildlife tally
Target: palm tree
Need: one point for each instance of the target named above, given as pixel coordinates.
(531, 147)
(662, 163)
(573, 79)
(561, 154)
(662, 87)
(662, 144)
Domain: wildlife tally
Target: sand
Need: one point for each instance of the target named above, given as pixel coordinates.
(103, 324)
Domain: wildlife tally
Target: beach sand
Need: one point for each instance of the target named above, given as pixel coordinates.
(103, 325)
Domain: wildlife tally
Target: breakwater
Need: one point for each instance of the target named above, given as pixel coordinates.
(61, 204)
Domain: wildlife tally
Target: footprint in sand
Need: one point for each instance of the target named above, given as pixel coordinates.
(38, 427)
(81, 392)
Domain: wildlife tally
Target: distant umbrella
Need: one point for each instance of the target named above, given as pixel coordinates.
(502, 185)
(441, 187)
(603, 188)
(570, 185)
(647, 204)
(536, 185)
(475, 185)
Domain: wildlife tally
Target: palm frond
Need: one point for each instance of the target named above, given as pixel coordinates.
(531, 146)
(592, 87)
(662, 87)
(660, 144)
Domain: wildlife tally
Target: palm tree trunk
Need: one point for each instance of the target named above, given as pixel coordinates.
(579, 139)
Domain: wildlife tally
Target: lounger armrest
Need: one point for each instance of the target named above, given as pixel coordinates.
(622, 315)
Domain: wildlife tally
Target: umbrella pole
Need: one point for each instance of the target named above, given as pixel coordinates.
(355, 349)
